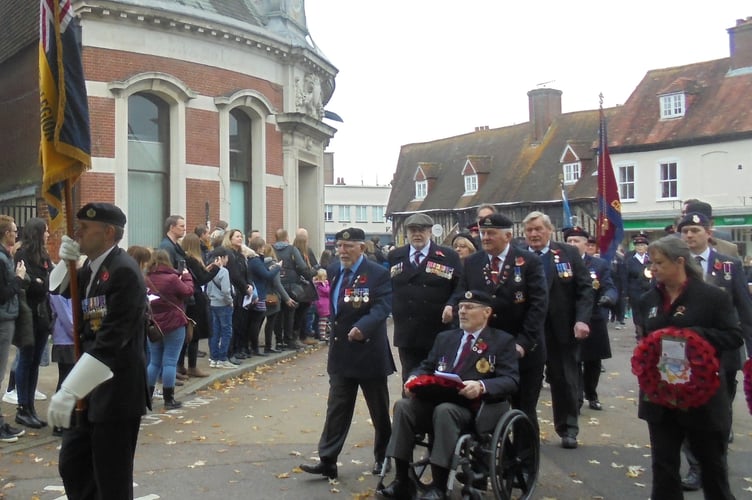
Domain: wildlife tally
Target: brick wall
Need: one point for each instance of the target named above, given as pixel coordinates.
(202, 137)
(274, 216)
(198, 193)
(102, 125)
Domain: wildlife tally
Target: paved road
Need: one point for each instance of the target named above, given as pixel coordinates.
(244, 437)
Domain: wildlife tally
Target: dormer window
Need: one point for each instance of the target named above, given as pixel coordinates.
(572, 172)
(421, 189)
(471, 183)
(673, 106)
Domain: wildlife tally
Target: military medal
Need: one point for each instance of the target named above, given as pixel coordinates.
(517, 274)
(727, 271)
(492, 361)
(483, 366)
(594, 277)
(365, 296)
(442, 364)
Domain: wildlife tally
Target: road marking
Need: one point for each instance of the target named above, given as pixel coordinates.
(61, 489)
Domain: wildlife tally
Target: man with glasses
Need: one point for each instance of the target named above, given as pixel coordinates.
(486, 361)
(425, 279)
(11, 278)
(359, 354)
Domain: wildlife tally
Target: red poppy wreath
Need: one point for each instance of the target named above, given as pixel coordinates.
(747, 370)
(437, 389)
(701, 366)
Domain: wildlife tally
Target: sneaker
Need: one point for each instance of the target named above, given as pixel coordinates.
(157, 394)
(232, 360)
(11, 397)
(226, 365)
(12, 431)
(213, 364)
(39, 396)
(7, 438)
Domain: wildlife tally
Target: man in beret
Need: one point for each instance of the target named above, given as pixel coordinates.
(96, 457)
(596, 346)
(514, 279)
(486, 361)
(359, 353)
(725, 272)
(721, 241)
(425, 280)
(570, 306)
(637, 273)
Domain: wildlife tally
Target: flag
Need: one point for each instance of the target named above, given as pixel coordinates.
(565, 206)
(610, 228)
(65, 146)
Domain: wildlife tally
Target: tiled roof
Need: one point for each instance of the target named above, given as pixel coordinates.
(713, 109)
(518, 171)
(19, 26)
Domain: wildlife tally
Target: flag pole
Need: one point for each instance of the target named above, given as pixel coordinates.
(72, 268)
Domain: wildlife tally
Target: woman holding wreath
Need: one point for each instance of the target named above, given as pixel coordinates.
(688, 312)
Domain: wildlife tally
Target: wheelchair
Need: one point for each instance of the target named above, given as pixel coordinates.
(506, 455)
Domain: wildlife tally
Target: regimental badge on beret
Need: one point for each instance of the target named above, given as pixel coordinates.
(345, 235)
(468, 294)
(695, 218)
(91, 213)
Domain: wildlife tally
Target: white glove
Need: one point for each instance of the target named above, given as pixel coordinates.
(88, 373)
(61, 408)
(69, 249)
(59, 277)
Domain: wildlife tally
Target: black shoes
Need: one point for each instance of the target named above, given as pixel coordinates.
(693, 481)
(326, 469)
(397, 489)
(259, 353)
(568, 443)
(595, 405)
(26, 417)
(432, 493)
(378, 464)
(271, 350)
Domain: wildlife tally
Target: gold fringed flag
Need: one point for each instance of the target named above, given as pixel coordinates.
(65, 147)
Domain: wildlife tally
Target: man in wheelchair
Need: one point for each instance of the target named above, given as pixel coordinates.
(485, 360)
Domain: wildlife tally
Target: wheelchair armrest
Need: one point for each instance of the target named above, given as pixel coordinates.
(489, 414)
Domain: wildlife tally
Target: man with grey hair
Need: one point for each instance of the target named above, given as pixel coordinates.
(425, 283)
(570, 306)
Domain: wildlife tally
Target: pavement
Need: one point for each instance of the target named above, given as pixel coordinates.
(48, 382)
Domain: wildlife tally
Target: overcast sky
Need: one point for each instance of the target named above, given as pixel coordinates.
(419, 70)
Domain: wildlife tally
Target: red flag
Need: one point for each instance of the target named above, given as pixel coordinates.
(65, 148)
(610, 228)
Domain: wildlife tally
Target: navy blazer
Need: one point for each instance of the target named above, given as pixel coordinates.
(372, 357)
(113, 332)
(421, 293)
(520, 299)
(501, 382)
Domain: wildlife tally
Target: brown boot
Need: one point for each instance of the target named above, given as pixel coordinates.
(180, 376)
(196, 372)
(181, 370)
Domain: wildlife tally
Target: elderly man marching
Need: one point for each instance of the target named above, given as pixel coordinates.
(359, 354)
(96, 457)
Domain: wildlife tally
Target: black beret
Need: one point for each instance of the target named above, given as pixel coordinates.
(102, 212)
(694, 219)
(477, 296)
(699, 207)
(351, 234)
(575, 231)
(495, 221)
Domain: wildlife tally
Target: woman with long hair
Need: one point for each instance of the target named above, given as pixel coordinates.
(33, 252)
(305, 314)
(263, 278)
(679, 297)
(198, 311)
(273, 325)
(237, 266)
(171, 289)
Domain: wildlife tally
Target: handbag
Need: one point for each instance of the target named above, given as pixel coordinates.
(272, 299)
(303, 291)
(153, 331)
(23, 335)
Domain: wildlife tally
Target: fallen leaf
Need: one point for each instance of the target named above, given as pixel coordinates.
(594, 462)
(284, 475)
(197, 463)
(617, 466)
(295, 453)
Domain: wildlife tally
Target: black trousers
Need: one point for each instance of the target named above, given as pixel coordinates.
(526, 398)
(590, 375)
(96, 460)
(708, 446)
(563, 375)
(410, 359)
(343, 392)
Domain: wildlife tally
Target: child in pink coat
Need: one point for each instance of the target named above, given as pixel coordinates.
(323, 302)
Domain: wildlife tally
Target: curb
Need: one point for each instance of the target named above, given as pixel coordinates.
(193, 385)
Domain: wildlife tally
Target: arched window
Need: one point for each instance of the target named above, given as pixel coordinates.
(148, 168)
(240, 169)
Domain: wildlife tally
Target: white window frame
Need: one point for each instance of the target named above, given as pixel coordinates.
(572, 172)
(344, 213)
(471, 183)
(666, 180)
(623, 185)
(379, 213)
(673, 106)
(361, 213)
(421, 189)
(328, 213)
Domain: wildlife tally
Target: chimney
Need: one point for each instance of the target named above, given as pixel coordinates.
(544, 107)
(740, 44)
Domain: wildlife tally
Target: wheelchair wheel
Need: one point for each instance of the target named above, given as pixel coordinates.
(515, 457)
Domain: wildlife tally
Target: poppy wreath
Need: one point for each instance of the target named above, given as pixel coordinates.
(747, 370)
(438, 390)
(703, 363)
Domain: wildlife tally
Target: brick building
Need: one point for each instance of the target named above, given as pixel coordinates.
(209, 109)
